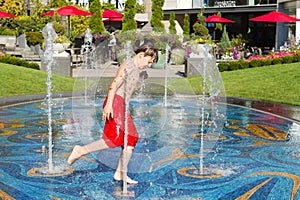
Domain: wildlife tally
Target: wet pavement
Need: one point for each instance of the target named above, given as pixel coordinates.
(283, 110)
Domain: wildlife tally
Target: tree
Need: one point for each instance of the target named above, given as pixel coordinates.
(95, 22)
(157, 15)
(186, 26)
(172, 27)
(199, 27)
(219, 25)
(12, 6)
(225, 42)
(128, 21)
(57, 3)
(140, 8)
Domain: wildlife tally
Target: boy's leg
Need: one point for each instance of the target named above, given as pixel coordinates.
(119, 174)
(79, 151)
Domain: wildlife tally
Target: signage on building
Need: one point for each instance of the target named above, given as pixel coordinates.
(220, 3)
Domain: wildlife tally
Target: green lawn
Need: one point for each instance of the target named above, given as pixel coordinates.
(276, 83)
(15, 80)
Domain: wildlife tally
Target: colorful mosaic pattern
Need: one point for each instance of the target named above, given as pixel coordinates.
(253, 155)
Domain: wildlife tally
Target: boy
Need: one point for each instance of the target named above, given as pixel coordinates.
(117, 98)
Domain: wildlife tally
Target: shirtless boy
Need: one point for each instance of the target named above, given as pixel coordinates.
(113, 114)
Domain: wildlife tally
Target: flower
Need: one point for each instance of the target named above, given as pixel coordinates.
(188, 51)
(272, 56)
(97, 36)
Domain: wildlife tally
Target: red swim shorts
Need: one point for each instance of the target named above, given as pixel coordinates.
(113, 133)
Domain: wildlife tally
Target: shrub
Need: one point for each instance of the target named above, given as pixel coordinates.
(287, 59)
(31, 23)
(276, 61)
(296, 58)
(34, 38)
(186, 26)
(172, 27)
(157, 15)
(62, 39)
(266, 62)
(234, 65)
(125, 36)
(243, 64)
(128, 21)
(18, 61)
(255, 63)
(59, 29)
(200, 29)
(223, 66)
(95, 22)
(224, 42)
(7, 31)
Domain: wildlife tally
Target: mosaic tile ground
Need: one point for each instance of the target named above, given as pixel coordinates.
(184, 152)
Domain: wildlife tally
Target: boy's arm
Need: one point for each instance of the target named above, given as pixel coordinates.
(117, 82)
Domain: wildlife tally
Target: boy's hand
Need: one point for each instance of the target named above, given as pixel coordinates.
(107, 113)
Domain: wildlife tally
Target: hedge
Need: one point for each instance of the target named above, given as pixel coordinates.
(18, 61)
(243, 64)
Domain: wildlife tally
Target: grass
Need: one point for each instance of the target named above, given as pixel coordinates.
(276, 83)
(15, 80)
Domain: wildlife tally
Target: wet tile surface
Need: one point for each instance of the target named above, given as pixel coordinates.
(184, 152)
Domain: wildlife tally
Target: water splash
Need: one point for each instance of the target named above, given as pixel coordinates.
(88, 50)
(210, 82)
(130, 67)
(168, 49)
(49, 35)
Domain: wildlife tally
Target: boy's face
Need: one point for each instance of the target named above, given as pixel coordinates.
(145, 61)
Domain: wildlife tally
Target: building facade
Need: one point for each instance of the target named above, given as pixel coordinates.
(266, 35)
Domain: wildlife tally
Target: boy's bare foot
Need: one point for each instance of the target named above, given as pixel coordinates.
(117, 177)
(74, 155)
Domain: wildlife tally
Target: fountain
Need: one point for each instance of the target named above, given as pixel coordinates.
(49, 35)
(128, 81)
(185, 150)
(88, 50)
(168, 49)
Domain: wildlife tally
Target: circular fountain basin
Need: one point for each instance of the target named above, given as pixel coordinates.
(244, 154)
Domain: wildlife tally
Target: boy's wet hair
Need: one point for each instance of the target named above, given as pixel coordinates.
(148, 50)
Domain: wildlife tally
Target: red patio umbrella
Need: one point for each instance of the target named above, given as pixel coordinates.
(114, 19)
(111, 14)
(69, 11)
(217, 19)
(6, 15)
(274, 16)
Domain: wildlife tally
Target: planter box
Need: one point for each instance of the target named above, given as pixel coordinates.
(62, 64)
(8, 42)
(189, 68)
